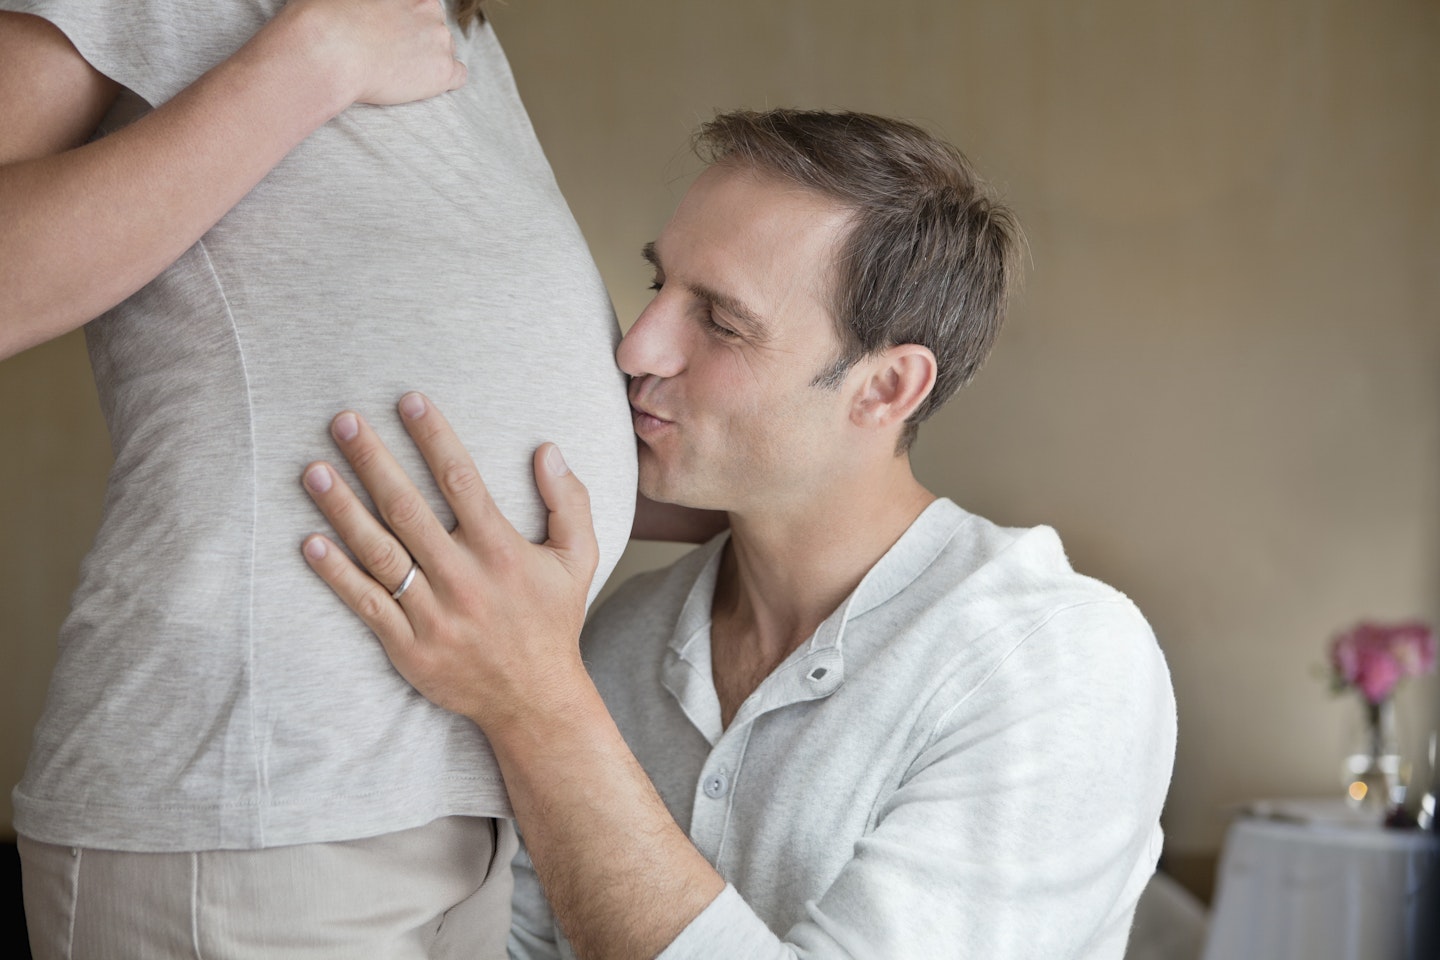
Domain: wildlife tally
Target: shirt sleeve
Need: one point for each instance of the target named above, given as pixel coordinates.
(532, 925)
(1025, 830)
(155, 48)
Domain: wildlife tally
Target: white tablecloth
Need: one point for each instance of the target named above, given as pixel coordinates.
(1293, 891)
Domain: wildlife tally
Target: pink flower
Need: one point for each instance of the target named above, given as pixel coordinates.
(1379, 673)
(1374, 657)
(1414, 645)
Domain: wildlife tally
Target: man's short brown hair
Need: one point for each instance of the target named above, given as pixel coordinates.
(932, 254)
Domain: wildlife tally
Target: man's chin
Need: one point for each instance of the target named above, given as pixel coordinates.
(663, 490)
(659, 493)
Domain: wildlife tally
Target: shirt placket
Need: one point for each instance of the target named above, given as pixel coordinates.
(715, 792)
(811, 677)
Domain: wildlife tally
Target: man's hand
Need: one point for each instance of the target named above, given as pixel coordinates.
(489, 628)
(490, 621)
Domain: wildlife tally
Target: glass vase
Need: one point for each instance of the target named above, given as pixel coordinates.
(1373, 770)
(1426, 812)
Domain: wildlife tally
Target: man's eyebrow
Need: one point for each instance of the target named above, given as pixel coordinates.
(755, 327)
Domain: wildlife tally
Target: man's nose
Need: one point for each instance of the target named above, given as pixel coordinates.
(653, 346)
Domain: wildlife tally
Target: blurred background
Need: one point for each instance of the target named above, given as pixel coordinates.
(1221, 383)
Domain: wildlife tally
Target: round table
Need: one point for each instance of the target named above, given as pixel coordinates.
(1305, 891)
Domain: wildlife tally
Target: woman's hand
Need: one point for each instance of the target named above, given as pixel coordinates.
(489, 622)
(382, 51)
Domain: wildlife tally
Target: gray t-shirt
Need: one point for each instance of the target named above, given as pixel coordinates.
(211, 691)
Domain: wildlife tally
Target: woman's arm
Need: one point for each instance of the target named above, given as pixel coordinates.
(83, 227)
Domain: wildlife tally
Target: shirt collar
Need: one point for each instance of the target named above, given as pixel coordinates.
(817, 668)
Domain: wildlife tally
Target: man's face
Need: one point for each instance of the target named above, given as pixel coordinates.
(723, 360)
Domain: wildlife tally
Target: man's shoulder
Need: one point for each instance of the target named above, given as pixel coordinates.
(967, 564)
(998, 626)
(983, 597)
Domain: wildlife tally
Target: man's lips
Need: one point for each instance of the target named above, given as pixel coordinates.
(647, 422)
(648, 419)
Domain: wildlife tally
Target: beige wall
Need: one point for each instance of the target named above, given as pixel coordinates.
(1220, 385)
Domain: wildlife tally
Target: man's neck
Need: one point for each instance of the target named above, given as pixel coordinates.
(784, 573)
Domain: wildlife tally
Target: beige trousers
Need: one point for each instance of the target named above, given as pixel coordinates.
(437, 892)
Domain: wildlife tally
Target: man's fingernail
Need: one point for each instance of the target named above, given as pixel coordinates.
(555, 463)
(346, 426)
(412, 405)
(315, 548)
(317, 478)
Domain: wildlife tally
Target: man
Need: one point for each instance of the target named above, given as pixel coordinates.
(865, 723)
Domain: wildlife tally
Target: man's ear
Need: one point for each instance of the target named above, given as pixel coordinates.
(895, 381)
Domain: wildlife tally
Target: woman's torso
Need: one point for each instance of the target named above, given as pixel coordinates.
(210, 690)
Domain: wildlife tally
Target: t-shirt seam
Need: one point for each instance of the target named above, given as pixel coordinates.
(260, 782)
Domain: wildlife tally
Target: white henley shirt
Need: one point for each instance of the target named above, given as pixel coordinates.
(967, 759)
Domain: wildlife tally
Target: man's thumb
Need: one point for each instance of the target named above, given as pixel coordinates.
(572, 531)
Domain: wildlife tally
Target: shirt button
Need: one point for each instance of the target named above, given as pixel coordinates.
(716, 785)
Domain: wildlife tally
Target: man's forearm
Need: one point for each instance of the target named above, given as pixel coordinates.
(621, 876)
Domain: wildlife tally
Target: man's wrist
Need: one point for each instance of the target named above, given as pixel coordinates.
(544, 714)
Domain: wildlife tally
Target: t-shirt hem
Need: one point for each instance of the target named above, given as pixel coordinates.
(192, 827)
